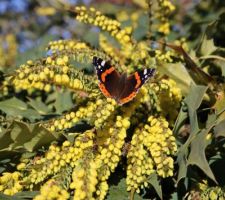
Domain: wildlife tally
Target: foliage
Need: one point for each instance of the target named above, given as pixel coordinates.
(60, 138)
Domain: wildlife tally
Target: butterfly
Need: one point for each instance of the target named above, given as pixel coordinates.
(118, 86)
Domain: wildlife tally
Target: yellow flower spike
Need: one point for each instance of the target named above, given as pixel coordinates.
(126, 123)
(51, 190)
(65, 79)
(58, 78)
(49, 60)
(29, 62)
(119, 124)
(21, 166)
(21, 75)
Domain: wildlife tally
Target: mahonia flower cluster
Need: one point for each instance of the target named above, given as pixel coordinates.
(84, 176)
(52, 190)
(123, 16)
(140, 164)
(69, 45)
(164, 56)
(36, 75)
(110, 49)
(10, 183)
(169, 98)
(91, 168)
(167, 56)
(91, 16)
(213, 193)
(151, 148)
(208, 193)
(165, 8)
(110, 153)
(137, 52)
(105, 108)
(56, 160)
(71, 118)
(94, 112)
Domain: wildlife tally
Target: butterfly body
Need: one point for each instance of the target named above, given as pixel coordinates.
(118, 86)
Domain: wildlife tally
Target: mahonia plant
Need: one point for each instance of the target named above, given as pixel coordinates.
(140, 131)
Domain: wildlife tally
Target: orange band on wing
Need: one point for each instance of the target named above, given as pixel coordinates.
(104, 90)
(106, 72)
(138, 79)
(127, 99)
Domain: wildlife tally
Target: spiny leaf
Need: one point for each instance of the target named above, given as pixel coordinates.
(182, 116)
(153, 180)
(11, 104)
(23, 137)
(182, 162)
(15, 107)
(193, 101)
(41, 137)
(39, 106)
(197, 154)
(207, 46)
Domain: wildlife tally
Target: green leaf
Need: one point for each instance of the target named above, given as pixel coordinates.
(141, 30)
(40, 137)
(197, 74)
(17, 108)
(5, 139)
(31, 114)
(197, 154)
(182, 162)
(120, 192)
(193, 101)
(181, 118)
(178, 73)
(26, 195)
(174, 196)
(20, 195)
(63, 101)
(153, 180)
(39, 106)
(7, 197)
(20, 133)
(207, 44)
(12, 106)
(23, 137)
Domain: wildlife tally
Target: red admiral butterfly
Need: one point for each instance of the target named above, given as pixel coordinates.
(119, 86)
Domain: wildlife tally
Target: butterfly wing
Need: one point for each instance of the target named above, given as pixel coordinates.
(133, 84)
(108, 77)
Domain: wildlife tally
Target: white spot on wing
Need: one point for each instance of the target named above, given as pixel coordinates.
(145, 71)
(99, 66)
(103, 63)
